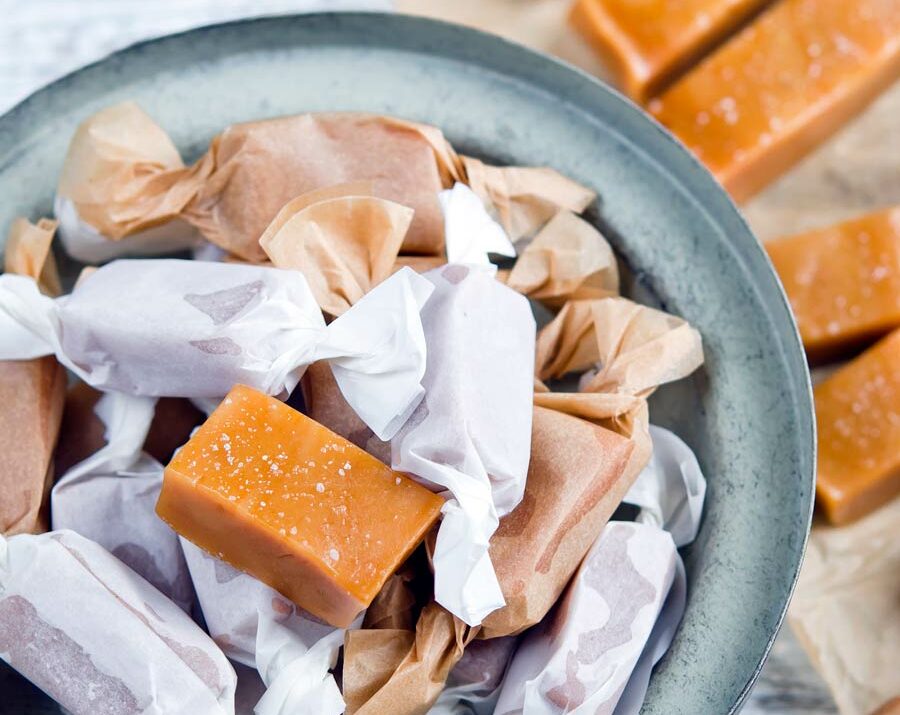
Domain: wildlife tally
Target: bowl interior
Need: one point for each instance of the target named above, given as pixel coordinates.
(747, 413)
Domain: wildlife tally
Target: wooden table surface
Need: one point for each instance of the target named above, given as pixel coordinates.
(855, 172)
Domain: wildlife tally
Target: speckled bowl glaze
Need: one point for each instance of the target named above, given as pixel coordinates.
(747, 413)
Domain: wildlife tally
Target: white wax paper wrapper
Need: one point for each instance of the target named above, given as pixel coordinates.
(98, 638)
(85, 243)
(579, 659)
(255, 625)
(671, 489)
(110, 498)
(470, 233)
(195, 329)
(473, 685)
(471, 435)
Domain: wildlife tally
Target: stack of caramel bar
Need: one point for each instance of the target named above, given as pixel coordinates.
(751, 87)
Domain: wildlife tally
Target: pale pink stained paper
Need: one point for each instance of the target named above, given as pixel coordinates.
(98, 638)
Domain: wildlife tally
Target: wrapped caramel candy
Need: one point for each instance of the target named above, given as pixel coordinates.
(194, 329)
(32, 392)
(124, 189)
(578, 474)
(98, 638)
(471, 434)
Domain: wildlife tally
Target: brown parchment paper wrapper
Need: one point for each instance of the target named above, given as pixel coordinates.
(124, 174)
(524, 198)
(344, 241)
(637, 347)
(846, 609)
(421, 664)
(574, 485)
(259, 166)
(27, 253)
(82, 433)
(32, 394)
(568, 259)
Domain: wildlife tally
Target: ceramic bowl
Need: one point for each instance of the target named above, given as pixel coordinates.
(747, 413)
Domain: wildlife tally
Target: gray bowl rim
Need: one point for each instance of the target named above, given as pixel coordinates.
(716, 200)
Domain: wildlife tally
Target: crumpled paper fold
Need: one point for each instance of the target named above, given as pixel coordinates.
(293, 651)
(471, 434)
(846, 609)
(28, 253)
(121, 187)
(524, 198)
(195, 329)
(398, 672)
(567, 260)
(343, 239)
(96, 637)
(111, 497)
(32, 393)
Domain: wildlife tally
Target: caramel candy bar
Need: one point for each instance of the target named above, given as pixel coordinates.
(645, 43)
(858, 423)
(281, 497)
(782, 86)
(843, 282)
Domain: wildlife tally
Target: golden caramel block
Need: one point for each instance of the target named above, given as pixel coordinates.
(32, 393)
(843, 282)
(279, 496)
(646, 42)
(858, 422)
(783, 85)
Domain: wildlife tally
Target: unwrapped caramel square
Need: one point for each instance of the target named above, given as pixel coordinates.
(843, 282)
(781, 86)
(646, 42)
(858, 422)
(281, 497)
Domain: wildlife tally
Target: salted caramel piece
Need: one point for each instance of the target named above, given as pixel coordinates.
(645, 43)
(858, 422)
(843, 282)
(32, 394)
(781, 86)
(281, 497)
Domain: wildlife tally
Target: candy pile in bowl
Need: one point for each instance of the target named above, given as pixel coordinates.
(322, 464)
